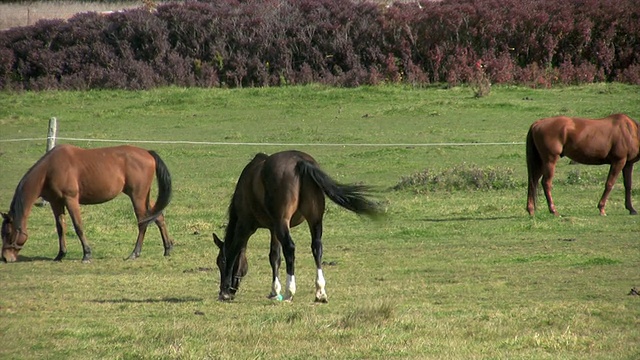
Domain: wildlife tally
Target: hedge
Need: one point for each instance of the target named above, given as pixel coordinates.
(231, 43)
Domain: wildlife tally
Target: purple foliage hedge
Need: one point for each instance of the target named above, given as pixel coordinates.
(232, 43)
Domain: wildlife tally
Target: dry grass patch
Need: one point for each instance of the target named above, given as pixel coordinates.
(30, 12)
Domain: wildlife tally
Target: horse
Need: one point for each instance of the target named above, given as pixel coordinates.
(278, 192)
(68, 176)
(613, 140)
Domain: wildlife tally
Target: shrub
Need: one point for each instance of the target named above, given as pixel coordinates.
(479, 81)
(462, 177)
(630, 75)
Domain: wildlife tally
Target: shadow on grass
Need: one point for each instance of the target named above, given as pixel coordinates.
(470, 218)
(33, 258)
(169, 300)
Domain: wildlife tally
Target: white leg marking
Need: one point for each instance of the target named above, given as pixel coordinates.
(275, 289)
(321, 293)
(290, 287)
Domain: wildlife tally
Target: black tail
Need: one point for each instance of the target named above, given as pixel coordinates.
(534, 166)
(350, 197)
(164, 189)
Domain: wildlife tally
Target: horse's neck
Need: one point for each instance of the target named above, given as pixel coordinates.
(27, 192)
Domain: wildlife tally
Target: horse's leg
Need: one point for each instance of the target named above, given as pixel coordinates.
(614, 171)
(289, 251)
(275, 260)
(61, 228)
(316, 249)
(74, 213)
(534, 179)
(137, 249)
(548, 170)
(140, 206)
(166, 240)
(627, 175)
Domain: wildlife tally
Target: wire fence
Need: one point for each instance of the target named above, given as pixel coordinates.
(224, 143)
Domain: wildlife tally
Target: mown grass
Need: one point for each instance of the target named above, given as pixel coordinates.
(451, 273)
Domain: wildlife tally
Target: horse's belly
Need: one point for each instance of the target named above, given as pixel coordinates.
(98, 193)
(92, 199)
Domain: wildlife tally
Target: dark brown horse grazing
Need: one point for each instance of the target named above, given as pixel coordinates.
(278, 192)
(612, 140)
(68, 176)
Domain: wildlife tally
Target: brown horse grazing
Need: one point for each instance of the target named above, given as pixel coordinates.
(612, 140)
(68, 176)
(278, 192)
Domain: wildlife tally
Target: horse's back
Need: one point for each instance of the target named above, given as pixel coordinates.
(558, 124)
(270, 188)
(290, 193)
(589, 141)
(280, 173)
(115, 160)
(99, 174)
(287, 160)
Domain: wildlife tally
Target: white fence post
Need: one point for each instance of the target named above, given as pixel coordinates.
(53, 132)
(51, 142)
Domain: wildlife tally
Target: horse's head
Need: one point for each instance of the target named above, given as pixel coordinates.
(12, 239)
(240, 269)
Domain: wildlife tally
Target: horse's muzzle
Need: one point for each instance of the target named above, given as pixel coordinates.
(9, 255)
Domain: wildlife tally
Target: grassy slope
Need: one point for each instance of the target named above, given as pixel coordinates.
(457, 275)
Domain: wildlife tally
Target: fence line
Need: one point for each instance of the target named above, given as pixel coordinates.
(187, 142)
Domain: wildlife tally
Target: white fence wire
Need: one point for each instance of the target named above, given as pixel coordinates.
(223, 143)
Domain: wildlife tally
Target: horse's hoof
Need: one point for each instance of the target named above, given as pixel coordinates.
(225, 297)
(633, 212)
(322, 300)
(86, 261)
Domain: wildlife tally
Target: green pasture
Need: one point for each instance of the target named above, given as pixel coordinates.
(448, 274)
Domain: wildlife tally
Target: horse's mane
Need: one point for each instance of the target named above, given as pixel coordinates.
(231, 225)
(232, 211)
(17, 207)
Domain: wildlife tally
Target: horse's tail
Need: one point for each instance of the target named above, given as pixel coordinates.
(351, 197)
(164, 189)
(534, 167)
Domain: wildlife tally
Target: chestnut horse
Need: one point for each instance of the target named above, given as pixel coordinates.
(68, 176)
(612, 140)
(278, 192)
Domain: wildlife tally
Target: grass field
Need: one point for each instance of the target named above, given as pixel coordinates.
(449, 274)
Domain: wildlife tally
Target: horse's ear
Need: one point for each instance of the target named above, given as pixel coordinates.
(6, 217)
(217, 240)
